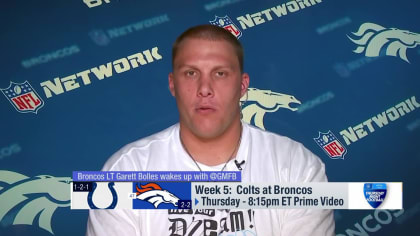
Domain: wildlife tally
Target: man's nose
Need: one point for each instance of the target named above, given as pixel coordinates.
(205, 86)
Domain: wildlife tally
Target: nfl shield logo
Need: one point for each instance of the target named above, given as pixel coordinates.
(375, 193)
(226, 23)
(330, 144)
(23, 97)
(99, 37)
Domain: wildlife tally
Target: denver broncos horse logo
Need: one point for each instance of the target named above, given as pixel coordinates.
(154, 194)
(24, 199)
(263, 101)
(373, 37)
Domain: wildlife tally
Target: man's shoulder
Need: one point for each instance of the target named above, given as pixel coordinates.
(263, 138)
(285, 152)
(133, 153)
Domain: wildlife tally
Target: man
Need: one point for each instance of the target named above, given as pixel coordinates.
(207, 82)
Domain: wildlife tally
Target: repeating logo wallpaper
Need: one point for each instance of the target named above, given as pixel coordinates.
(81, 79)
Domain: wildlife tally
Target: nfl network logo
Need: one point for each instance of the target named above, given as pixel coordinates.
(226, 23)
(23, 97)
(330, 144)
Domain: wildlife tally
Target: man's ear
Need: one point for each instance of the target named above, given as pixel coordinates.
(171, 83)
(244, 83)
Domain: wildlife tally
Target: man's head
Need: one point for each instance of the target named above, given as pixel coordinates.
(211, 33)
(207, 80)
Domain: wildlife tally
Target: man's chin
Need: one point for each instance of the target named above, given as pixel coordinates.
(207, 133)
(206, 130)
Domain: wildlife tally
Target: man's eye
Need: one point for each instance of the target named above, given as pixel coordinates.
(191, 73)
(221, 73)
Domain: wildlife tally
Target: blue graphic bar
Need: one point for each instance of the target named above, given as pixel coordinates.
(378, 186)
(157, 176)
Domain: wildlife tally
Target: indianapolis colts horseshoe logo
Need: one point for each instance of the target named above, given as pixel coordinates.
(114, 197)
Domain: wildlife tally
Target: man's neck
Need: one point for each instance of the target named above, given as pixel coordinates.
(212, 151)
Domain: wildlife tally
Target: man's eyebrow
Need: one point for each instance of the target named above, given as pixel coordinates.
(184, 65)
(230, 67)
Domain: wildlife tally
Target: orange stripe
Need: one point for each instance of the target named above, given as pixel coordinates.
(147, 187)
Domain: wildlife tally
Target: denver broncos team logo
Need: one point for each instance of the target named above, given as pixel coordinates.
(372, 38)
(154, 194)
(27, 200)
(262, 101)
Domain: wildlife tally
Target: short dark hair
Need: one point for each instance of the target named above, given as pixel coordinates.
(213, 33)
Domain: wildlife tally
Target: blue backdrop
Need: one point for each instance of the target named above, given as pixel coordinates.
(82, 78)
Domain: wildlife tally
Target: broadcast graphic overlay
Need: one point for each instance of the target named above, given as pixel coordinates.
(129, 190)
(81, 79)
(180, 193)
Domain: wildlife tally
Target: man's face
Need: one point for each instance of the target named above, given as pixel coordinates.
(207, 84)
